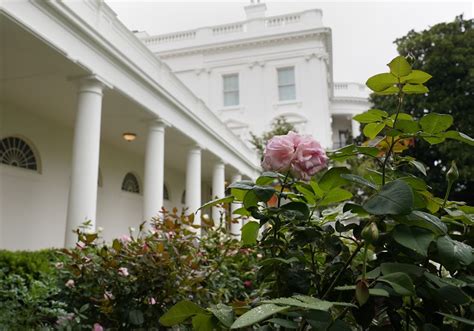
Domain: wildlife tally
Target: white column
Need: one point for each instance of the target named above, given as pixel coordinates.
(235, 228)
(218, 191)
(355, 126)
(154, 170)
(82, 204)
(193, 183)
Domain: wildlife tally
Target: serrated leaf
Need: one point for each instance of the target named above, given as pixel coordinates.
(360, 180)
(452, 252)
(459, 136)
(250, 233)
(395, 198)
(371, 130)
(258, 314)
(426, 221)
(400, 282)
(224, 314)
(180, 312)
(416, 77)
(335, 195)
(436, 123)
(381, 82)
(332, 178)
(372, 115)
(415, 89)
(414, 238)
(418, 165)
(399, 67)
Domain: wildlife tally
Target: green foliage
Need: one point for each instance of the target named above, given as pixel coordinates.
(446, 51)
(28, 265)
(392, 255)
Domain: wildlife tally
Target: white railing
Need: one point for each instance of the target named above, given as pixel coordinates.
(228, 28)
(172, 37)
(282, 20)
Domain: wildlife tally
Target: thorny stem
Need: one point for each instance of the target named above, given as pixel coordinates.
(348, 262)
(392, 143)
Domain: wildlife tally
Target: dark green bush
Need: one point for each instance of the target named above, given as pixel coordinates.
(28, 264)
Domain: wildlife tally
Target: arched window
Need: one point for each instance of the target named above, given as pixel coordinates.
(16, 152)
(130, 183)
(166, 195)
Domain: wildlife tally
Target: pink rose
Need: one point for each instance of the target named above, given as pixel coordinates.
(70, 283)
(123, 271)
(108, 295)
(279, 152)
(309, 159)
(125, 239)
(301, 154)
(151, 301)
(98, 327)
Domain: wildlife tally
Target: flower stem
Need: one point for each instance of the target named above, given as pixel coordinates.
(392, 143)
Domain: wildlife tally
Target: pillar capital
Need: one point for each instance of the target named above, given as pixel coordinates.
(90, 83)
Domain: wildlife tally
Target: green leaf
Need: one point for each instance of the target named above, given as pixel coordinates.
(371, 130)
(319, 302)
(258, 314)
(381, 82)
(266, 178)
(458, 319)
(416, 77)
(203, 322)
(250, 199)
(242, 185)
(415, 89)
(426, 221)
(454, 295)
(219, 201)
(399, 67)
(400, 282)
(418, 165)
(414, 238)
(180, 312)
(436, 123)
(238, 194)
(452, 252)
(332, 178)
(316, 189)
(250, 233)
(391, 90)
(307, 193)
(136, 317)
(410, 269)
(395, 198)
(317, 305)
(263, 193)
(459, 136)
(360, 180)
(378, 292)
(288, 324)
(335, 195)
(300, 209)
(407, 126)
(224, 314)
(372, 115)
(241, 211)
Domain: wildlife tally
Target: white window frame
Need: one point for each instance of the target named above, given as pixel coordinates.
(279, 85)
(224, 91)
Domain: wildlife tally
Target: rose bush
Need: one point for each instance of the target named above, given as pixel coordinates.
(395, 256)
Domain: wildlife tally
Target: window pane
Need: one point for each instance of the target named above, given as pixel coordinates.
(287, 92)
(286, 76)
(231, 98)
(231, 82)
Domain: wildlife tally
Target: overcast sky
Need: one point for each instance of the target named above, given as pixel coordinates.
(363, 32)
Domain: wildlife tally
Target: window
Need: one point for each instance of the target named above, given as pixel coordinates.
(130, 183)
(286, 84)
(231, 90)
(17, 153)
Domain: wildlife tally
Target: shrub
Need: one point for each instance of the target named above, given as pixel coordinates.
(29, 265)
(397, 257)
(130, 283)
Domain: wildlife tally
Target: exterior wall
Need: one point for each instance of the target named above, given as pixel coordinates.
(258, 85)
(34, 205)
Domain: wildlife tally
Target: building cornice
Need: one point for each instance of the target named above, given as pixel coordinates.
(258, 41)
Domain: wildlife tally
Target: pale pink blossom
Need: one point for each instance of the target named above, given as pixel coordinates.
(59, 265)
(125, 239)
(123, 271)
(300, 154)
(80, 245)
(70, 283)
(98, 327)
(310, 158)
(279, 153)
(151, 301)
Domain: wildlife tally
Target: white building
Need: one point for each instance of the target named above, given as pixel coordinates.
(75, 81)
(251, 72)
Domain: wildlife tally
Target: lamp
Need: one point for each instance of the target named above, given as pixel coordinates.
(129, 136)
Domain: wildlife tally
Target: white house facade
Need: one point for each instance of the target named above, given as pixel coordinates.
(251, 72)
(98, 123)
